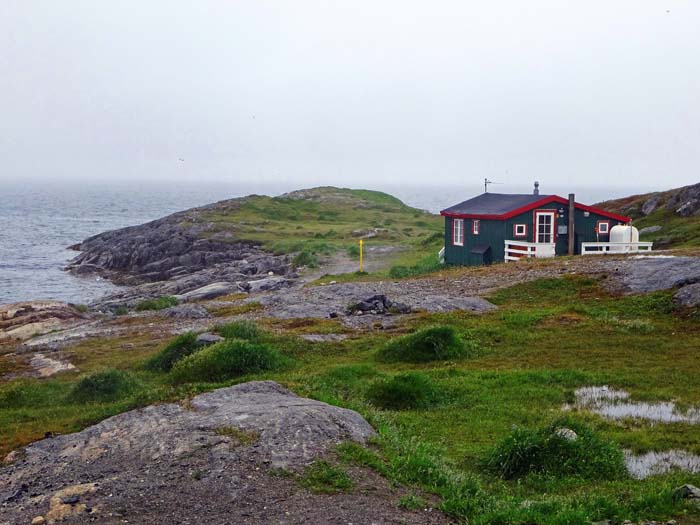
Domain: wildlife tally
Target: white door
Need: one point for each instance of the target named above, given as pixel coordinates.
(544, 234)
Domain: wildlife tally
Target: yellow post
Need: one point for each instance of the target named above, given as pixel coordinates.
(360, 255)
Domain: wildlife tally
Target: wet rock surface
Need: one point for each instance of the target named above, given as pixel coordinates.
(173, 463)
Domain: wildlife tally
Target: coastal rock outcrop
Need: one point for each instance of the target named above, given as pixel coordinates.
(22, 321)
(210, 460)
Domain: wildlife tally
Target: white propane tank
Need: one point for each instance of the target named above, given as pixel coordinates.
(624, 234)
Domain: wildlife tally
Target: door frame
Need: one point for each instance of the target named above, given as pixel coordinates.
(535, 228)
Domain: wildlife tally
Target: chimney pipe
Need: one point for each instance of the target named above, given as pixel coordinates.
(572, 213)
(537, 188)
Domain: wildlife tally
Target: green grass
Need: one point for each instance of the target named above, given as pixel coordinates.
(404, 391)
(225, 360)
(321, 477)
(107, 385)
(550, 451)
(525, 360)
(160, 303)
(428, 264)
(435, 343)
(247, 330)
(182, 346)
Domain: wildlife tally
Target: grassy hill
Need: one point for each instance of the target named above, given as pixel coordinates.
(327, 219)
(676, 211)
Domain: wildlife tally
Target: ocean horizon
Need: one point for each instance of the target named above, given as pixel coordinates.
(42, 219)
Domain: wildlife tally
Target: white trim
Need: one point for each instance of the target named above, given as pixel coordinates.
(458, 232)
(476, 225)
(553, 215)
(517, 228)
(607, 228)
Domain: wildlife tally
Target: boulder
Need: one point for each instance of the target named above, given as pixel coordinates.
(687, 492)
(643, 274)
(651, 204)
(208, 339)
(267, 284)
(187, 311)
(210, 459)
(378, 304)
(688, 296)
(650, 229)
(210, 291)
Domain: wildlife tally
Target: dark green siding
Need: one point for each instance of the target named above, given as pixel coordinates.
(494, 233)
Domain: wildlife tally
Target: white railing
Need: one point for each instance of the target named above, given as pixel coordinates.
(602, 248)
(441, 255)
(516, 250)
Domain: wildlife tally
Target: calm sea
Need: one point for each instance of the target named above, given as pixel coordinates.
(39, 221)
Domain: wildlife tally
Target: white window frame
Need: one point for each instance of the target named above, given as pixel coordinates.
(522, 233)
(607, 227)
(476, 225)
(458, 232)
(553, 225)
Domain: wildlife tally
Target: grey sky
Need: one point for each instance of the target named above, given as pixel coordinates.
(586, 93)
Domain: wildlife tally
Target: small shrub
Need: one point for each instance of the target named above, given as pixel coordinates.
(160, 303)
(247, 330)
(323, 478)
(225, 360)
(107, 385)
(404, 391)
(182, 346)
(412, 502)
(354, 251)
(546, 451)
(435, 343)
(82, 308)
(306, 258)
(121, 310)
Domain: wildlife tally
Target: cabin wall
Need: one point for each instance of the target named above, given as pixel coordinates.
(491, 233)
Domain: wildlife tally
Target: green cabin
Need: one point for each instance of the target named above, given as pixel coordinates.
(497, 227)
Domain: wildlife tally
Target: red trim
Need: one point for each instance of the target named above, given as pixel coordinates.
(553, 213)
(537, 204)
(597, 228)
(515, 230)
(476, 225)
(454, 242)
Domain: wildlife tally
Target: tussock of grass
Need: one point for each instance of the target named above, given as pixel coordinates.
(225, 360)
(404, 391)
(324, 478)
(435, 343)
(238, 437)
(547, 451)
(182, 346)
(246, 330)
(105, 386)
(160, 303)
(306, 258)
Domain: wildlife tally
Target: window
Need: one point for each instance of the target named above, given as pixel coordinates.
(520, 230)
(603, 227)
(458, 232)
(475, 227)
(544, 223)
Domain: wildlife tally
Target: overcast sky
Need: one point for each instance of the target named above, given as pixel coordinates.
(572, 93)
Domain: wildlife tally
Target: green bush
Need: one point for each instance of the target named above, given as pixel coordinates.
(306, 258)
(404, 391)
(160, 303)
(435, 343)
(225, 360)
(104, 386)
(548, 451)
(247, 330)
(182, 346)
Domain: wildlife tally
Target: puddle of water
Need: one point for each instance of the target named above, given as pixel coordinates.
(615, 404)
(653, 463)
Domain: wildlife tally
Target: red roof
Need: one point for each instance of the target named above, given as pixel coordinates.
(462, 211)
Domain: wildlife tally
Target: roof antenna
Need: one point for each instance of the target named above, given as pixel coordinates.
(486, 184)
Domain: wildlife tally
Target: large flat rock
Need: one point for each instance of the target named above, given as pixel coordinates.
(642, 274)
(182, 463)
